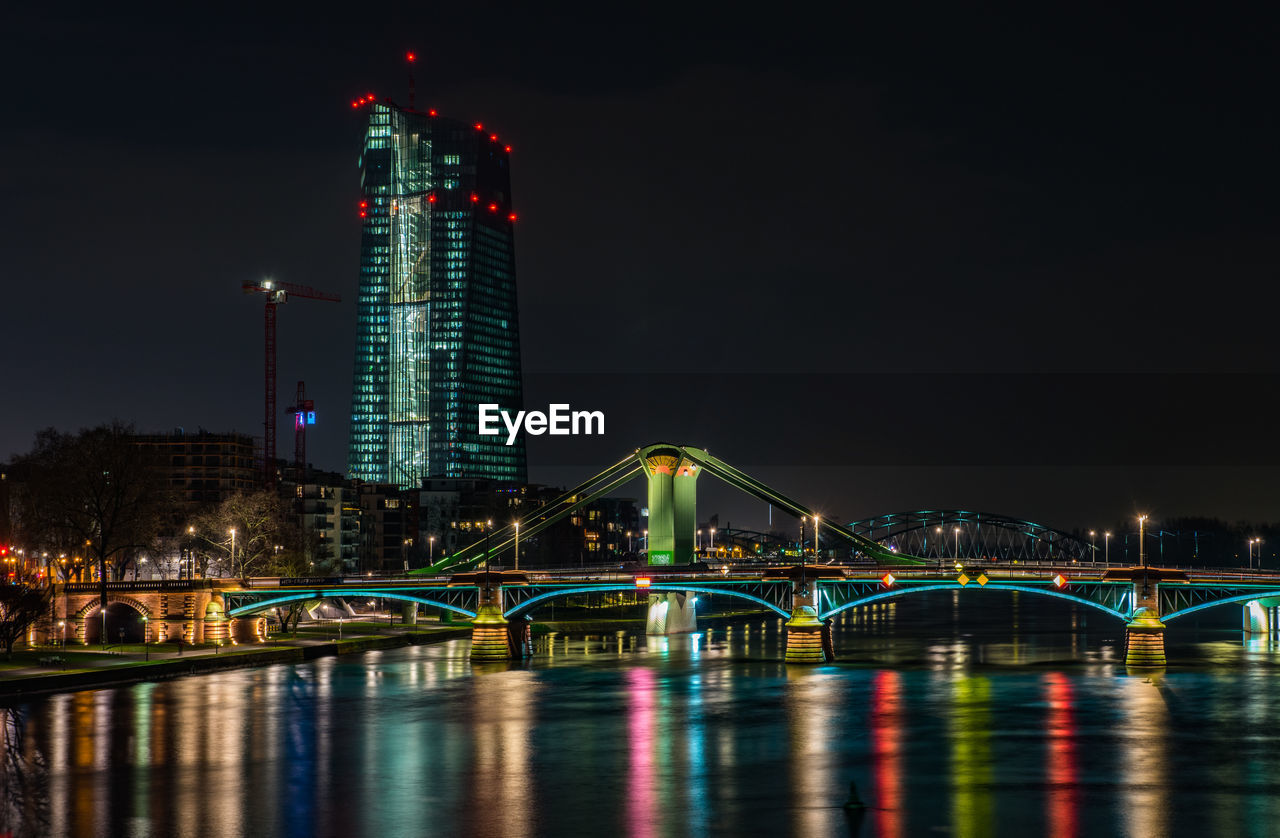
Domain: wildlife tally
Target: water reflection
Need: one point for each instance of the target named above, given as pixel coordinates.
(642, 797)
(704, 735)
(812, 722)
(1144, 766)
(1062, 771)
(502, 770)
(887, 727)
(971, 763)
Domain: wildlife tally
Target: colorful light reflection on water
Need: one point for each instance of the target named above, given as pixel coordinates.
(949, 730)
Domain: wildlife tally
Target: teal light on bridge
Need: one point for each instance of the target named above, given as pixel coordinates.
(680, 587)
(1242, 598)
(273, 601)
(918, 589)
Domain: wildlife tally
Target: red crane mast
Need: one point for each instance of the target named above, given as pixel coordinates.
(277, 293)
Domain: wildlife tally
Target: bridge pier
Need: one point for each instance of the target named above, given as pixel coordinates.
(1144, 631)
(490, 638)
(808, 638)
(1260, 616)
(1144, 640)
(409, 614)
(672, 613)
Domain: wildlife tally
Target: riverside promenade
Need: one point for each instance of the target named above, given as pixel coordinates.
(54, 669)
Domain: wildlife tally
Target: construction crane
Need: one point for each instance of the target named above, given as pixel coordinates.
(277, 293)
(304, 413)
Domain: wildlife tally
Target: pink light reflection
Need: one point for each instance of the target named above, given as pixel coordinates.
(642, 803)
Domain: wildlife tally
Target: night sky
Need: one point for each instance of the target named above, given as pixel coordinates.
(886, 260)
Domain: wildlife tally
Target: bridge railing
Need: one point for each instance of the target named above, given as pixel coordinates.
(141, 585)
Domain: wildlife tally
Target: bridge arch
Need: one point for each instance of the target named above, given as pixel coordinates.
(531, 603)
(91, 607)
(123, 618)
(273, 601)
(1201, 606)
(919, 589)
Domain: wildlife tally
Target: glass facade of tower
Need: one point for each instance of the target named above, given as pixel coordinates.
(437, 330)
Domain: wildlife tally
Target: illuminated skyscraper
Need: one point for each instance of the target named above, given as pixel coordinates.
(437, 329)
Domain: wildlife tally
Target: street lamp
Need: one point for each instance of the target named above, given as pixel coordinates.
(488, 526)
(815, 539)
(698, 545)
(646, 540)
(233, 551)
(404, 552)
(146, 650)
(712, 546)
(517, 523)
(1106, 548)
(957, 544)
(629, 550)
(431, 552)
(1142, 556)
(1093, 545)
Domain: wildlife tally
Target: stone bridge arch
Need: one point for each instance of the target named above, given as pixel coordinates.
(113, 624)
(173, 610)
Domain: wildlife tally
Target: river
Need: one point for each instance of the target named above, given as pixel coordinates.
(991, 716)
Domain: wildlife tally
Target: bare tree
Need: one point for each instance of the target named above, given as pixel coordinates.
(22, 603)
(96, 491)
(289, 563)
(261, 531)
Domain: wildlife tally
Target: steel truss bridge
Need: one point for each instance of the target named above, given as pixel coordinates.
(834, 589)
(982, 536)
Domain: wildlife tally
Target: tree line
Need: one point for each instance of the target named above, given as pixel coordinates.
(95, 499)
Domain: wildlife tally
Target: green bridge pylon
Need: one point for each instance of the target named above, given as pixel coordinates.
(673, 500)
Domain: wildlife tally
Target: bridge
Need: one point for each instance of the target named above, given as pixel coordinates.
(888, 557)
(500, 603)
